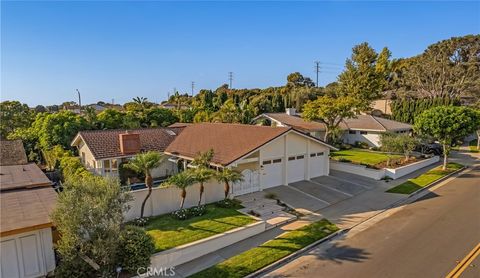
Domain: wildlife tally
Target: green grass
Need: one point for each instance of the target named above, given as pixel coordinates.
(168, 232)
(425, 179)
(473, 146)
(269, 252)
(359, 156)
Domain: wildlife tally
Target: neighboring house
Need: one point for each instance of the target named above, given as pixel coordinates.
(266, 156)
(73, 108)
(27, 199)
(98, 108)
(363, 128)
(102, 151)
(382, 107)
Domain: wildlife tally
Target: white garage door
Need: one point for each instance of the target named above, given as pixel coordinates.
(272, 173)
(317, 164)
(21, 256)
(249, 184)
(296, 168)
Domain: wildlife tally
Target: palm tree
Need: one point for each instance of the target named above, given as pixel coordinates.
(228, 176)
(202, 175)
(182, 180)
(144, 163)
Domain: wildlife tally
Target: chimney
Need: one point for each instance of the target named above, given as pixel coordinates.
(129, 142)
(291, 111)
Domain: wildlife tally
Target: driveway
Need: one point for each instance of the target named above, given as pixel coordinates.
(321, 192)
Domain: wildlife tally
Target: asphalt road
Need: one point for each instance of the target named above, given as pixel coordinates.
(425, 239)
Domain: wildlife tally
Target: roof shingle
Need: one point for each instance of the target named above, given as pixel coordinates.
(106, 143)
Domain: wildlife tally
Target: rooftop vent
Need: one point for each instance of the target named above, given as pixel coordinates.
(170, 132)
(291, 111)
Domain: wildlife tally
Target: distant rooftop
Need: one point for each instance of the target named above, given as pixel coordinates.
(12, 152)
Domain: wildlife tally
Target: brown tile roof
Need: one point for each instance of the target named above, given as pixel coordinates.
(106, 144)
(361, 122)
(297, 122)
(369, 122)
(26, 209)
(229, 141)
(21, 177)
(12, 152)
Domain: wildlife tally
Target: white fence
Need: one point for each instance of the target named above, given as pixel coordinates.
(190, 251)
(381, 173)
(410, 168)
(167, 199)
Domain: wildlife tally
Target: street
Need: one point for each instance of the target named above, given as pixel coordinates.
(427, 238)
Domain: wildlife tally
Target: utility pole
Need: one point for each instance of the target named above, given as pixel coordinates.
(317, 69)
(193, 87)
(79, 101)
(230, 79)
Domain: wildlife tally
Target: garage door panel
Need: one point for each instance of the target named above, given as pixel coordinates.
(30, 254)
(317, 164)
(9, 259)
(272, 173)
(296, 168)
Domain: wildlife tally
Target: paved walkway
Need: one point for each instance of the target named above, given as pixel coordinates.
(345, 213)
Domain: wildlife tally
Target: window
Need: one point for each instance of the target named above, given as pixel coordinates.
(277, 160)
(291, 158)
(300, 157)
(313, 154)
(363, 132)
(106, 166)
(320, 154)
(265, 162)
(83, 157)
(352, 132)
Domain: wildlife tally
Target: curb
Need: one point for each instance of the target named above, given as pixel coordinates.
(436, 182)
(294, 255)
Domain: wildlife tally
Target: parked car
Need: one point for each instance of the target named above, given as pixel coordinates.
(430, 148)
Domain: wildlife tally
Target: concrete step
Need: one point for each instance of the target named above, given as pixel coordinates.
(279, 219)
(259, 203)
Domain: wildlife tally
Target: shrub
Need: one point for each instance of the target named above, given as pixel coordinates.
(74, 268)
(271, 195)
(186, 213)
(136, 249)
(361, 145)
(228, 203)
(71, 167)
(341, 159)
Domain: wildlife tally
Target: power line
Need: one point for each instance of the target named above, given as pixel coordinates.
(317, 69)
(230, 79)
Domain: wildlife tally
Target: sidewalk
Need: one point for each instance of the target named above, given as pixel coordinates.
(344, 214)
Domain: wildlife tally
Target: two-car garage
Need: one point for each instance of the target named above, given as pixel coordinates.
(302, 158)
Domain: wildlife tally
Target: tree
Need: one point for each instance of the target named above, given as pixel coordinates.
(182, 181)
(110, 119)
(407, 144)
(40, 109)
(228, 176)
(389, 144)
(365, 74)
(330, 111)
(13, 115)
(159, 117)
(53, 156)
(296, 79)
(447, 124)
(88, 215)
(144, 163)
(202, 173)
(449, 68)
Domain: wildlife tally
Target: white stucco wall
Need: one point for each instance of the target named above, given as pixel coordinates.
(371, 138)
(167, 199)
(28, 254)
(89, 159)
(166, 168)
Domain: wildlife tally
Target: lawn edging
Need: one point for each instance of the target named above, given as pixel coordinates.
(190, 251)
(294, 255)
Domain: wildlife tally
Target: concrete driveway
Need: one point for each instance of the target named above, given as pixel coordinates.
(321, 192)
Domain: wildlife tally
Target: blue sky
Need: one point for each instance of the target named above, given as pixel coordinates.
(119, 50)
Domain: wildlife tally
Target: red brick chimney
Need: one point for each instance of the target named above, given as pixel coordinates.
(129, 142)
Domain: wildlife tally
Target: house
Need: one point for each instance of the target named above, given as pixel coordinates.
(102, 151)
(362, 128)
(169, 105)
(266, 156)
(27, 199)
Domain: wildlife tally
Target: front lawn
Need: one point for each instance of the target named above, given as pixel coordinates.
(364, 157)
(269, 252)
(425, 179)
(168, 232)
